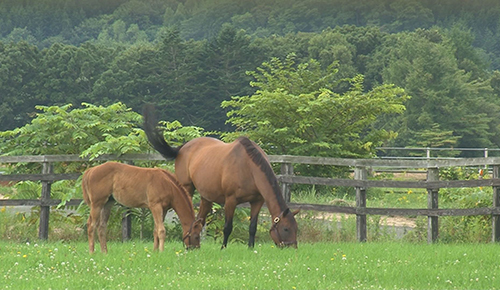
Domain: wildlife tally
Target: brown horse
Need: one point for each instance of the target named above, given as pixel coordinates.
(133, 186)
(228, 174)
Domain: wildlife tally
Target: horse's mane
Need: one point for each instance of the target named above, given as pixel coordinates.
(259, 159)
(176, 182)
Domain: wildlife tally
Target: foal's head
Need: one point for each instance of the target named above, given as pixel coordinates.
(192, 237)
(284, 229)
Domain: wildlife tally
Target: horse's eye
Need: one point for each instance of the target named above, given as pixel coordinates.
(285, 229)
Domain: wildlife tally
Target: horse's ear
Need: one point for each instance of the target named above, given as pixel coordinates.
(287, 211)
(198, 221)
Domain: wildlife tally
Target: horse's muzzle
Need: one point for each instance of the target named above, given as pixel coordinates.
(287, 244)
(192, 247)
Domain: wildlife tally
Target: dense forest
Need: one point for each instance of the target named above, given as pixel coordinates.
(187, 57)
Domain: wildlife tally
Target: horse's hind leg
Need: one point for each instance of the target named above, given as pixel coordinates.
(103, 224)
(92, 223)
(229, 208)
(254, 215)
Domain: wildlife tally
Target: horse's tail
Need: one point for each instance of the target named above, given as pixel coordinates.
(155, 137)
(85, 186)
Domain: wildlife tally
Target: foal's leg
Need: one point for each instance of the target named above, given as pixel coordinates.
(103, 224)
(92, 222)
(229, 208)
(254, 215)
(159, 230)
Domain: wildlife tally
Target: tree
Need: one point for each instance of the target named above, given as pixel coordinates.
(424, 62)
(132, 75)
(435, 137)
(410, 15)
(295, 111)
(332, 47)
(63, 130)
(19, 67)
(227, 58)
(90, 131)
(21, 34)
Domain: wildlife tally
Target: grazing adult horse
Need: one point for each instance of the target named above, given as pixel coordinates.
(134, 186)
(228, 174)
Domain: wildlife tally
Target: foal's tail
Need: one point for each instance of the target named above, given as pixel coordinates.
(85, 186)
(155, 137)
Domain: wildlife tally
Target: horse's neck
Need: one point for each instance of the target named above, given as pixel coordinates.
(264, 177)
(272, 195)
(183, 207)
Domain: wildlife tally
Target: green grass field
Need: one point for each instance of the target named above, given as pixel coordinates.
(133, 265)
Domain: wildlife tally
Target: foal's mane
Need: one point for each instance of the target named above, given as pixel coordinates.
(264, 166)
(176, 182)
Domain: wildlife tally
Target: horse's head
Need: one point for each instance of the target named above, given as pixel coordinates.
(284, 229)
(192, 237)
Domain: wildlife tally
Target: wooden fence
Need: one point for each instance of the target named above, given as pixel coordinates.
(360, 182)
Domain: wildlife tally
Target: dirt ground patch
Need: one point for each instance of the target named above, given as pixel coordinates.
(395, 221)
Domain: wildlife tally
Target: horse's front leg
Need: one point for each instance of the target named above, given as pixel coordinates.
(229, 208)
(159, 227)
(205, 209)
(254, 216)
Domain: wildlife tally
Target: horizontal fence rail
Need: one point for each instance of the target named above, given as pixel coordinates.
(287, 179)
(433, 152)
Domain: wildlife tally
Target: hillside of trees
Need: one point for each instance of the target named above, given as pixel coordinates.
(187, 57)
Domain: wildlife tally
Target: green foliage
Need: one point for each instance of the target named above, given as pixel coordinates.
(62, 189)
(458, 173)
(468, 197)
(27, 190)
(90, 131)
(435, 137)
(451, 105)
(188, 57)
(23, 226)
(176, 134)
(467, 229)
(241, 222)
(17, 76)
(295, 111)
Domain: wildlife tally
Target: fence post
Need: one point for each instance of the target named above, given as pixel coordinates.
(360, 173)
(496, 204)
(43, 230)
(432, 203)
(126, 225)
(485, 156)
(286, 169)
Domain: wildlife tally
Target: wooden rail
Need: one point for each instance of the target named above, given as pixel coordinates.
(287, 179)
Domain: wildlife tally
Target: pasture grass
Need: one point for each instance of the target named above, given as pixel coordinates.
(133, 265)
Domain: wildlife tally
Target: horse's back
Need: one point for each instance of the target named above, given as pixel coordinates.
(129, 185)
(210, 155)
(215, 168)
